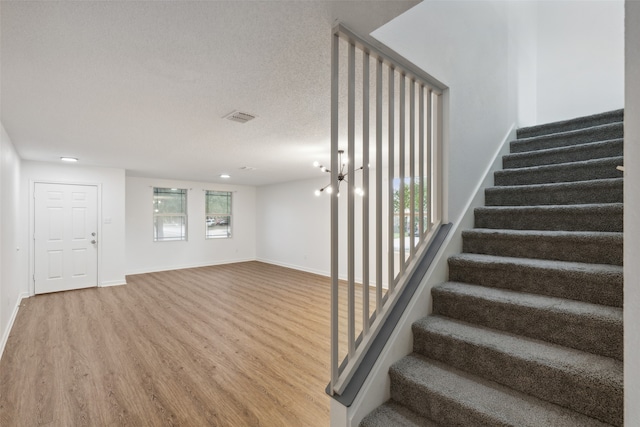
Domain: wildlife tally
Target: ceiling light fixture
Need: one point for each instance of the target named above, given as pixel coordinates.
(225, 176)
(342, 176)
(69, 159)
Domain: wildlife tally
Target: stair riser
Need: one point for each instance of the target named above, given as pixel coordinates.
(591, 151)
(595, 134)
(573, 124)
(435, 406)
(605, 250)
(580, 393)
(598, 219)
(592, 288)
(597, 192)
(581, 332)
(571, 172)
(393, 414)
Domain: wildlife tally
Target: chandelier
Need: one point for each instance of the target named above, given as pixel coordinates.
(342, 175)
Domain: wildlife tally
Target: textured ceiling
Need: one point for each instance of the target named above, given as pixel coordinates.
(143, 85)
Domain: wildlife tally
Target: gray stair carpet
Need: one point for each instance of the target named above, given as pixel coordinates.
(529, 329)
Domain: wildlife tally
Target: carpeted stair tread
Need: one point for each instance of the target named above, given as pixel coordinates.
(592, 283)
(588, 217)
(572, 124)
(573, 137)
(564, 193)
(588, 327)
(578, 246)
(528, 331)
(453, 397)
(581, 381)
(563, 172)
(572, 153)
(394, 414)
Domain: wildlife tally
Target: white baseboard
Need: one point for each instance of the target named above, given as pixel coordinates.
(185, 266)
(108, 283)
(294, 267)
(12, 319)
(357, 279)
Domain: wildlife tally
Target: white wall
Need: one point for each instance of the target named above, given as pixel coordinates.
(511, 62)
(293, 225)
(580, 61)
(632, 216)
(464, 44)
(13, 275)
(111, 231)
(145, 255)
(523, 60)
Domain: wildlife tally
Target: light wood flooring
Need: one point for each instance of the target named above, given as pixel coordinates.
(235, 345)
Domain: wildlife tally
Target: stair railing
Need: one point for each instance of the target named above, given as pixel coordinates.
(400, 202)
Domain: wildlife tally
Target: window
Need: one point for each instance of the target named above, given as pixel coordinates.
(218, 214)
(406, 209)
(169, 214)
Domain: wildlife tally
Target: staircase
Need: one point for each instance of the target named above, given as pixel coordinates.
(528, 331)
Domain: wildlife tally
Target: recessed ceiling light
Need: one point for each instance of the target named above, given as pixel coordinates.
(68, 159)
(225, 176)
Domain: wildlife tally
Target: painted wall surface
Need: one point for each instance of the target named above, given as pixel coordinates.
(13, 276)
(464, 44)
(145, 255)
(632, 215)
(523, 60)
(293, 225)
(580, 58)
(294, 228)
(111, 233)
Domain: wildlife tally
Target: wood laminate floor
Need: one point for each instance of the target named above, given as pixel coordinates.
(235, 345)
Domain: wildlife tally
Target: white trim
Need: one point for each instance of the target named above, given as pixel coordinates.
(295, 267)
(112, 283)
(357, 279)
(375, 390)
(185, 266)
(487, 177)
(235, 261)
(12, 319)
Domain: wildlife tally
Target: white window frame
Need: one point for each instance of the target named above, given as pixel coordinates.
(210, 216)
(183, 214)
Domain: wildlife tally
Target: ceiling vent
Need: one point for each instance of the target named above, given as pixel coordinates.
(239, 116)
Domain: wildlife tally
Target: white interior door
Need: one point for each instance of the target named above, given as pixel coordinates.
(65, 237)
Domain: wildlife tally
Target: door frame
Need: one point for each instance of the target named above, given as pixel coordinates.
(31, 227)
